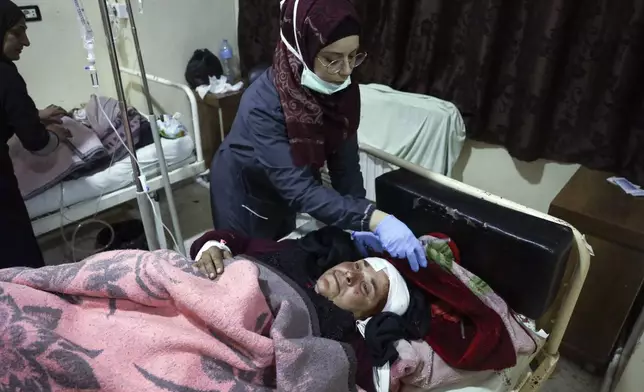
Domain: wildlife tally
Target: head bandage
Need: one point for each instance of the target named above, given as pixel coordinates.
(397, 302)
(398, 296)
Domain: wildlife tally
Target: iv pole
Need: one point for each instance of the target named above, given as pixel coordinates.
(147, 211)
(145, 207)
(155, 134)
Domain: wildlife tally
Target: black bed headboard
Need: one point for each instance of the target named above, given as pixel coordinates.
(521, 257)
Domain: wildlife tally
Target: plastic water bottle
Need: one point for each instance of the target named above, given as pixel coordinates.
(228, 62)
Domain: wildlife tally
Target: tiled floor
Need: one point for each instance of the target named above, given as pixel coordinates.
(193, 206)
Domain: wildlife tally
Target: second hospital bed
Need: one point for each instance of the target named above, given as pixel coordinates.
(86, 196)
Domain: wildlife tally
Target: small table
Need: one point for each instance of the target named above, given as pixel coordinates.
(613, 223)
(216, 116)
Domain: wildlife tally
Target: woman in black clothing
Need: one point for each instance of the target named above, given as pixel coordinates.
(38, 131)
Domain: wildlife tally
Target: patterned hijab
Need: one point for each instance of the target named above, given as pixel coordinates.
(316, 124)
(10, 15)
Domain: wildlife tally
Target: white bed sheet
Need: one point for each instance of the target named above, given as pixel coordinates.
(420, 129)
(119, 175)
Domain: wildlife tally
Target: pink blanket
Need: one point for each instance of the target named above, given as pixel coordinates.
(145, 321)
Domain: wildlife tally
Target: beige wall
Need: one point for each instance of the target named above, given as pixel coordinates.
(491, 168)
(169, 31)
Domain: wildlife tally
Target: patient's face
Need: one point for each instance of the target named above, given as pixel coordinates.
(355, 287)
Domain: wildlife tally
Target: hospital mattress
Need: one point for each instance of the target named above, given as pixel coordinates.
(177, 152)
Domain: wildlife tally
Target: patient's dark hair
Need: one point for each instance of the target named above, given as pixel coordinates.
(326, 248)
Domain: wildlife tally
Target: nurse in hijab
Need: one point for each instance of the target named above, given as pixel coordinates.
(303, 112)
(38, 131)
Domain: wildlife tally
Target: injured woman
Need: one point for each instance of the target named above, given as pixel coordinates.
(152, 321)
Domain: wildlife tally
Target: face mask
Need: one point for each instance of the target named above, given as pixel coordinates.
(311, 80)
(308, 78)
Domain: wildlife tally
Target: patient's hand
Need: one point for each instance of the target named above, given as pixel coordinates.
(211, 262)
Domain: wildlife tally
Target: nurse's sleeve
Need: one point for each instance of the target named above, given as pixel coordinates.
(297, 185)
(344, 169)
(22, 115)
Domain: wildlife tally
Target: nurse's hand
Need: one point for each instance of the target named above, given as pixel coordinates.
(52, 114)
(61, 132)
(399, 241)
(211, 261)
(366, 241)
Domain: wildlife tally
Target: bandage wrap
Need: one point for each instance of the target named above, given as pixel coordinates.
(211, 244)
(398, 297)
(397, 302)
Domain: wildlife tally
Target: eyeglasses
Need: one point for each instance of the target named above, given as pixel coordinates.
(335, 66)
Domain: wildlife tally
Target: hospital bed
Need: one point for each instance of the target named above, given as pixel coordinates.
(536, 262)
(85, 197)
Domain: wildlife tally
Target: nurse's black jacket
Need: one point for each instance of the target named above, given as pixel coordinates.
(256, 188)
(18, 116)
(18, 113)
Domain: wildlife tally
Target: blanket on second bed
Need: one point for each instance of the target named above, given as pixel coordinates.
(93, 147)
(133, 320)
(36, 174)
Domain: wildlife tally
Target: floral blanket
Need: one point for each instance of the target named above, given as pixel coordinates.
(145, 321)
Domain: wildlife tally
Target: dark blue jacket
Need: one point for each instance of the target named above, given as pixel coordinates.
(253, 176)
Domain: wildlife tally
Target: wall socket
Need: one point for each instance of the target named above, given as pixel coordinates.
(32, 13)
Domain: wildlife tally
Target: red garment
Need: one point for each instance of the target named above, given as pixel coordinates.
(487, 344)
(316, 124)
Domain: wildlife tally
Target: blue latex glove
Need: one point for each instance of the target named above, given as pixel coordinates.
(366, 241)
(400, 242)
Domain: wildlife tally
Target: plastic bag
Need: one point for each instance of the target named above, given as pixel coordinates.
(202, 65)
(170, 127)
(219, 86)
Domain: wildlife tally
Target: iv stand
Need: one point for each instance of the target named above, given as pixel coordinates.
(155, 134)
(145, 207)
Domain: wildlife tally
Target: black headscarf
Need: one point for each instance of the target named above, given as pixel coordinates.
(10, 15)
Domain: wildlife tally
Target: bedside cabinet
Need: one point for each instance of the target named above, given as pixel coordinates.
(613, 223)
